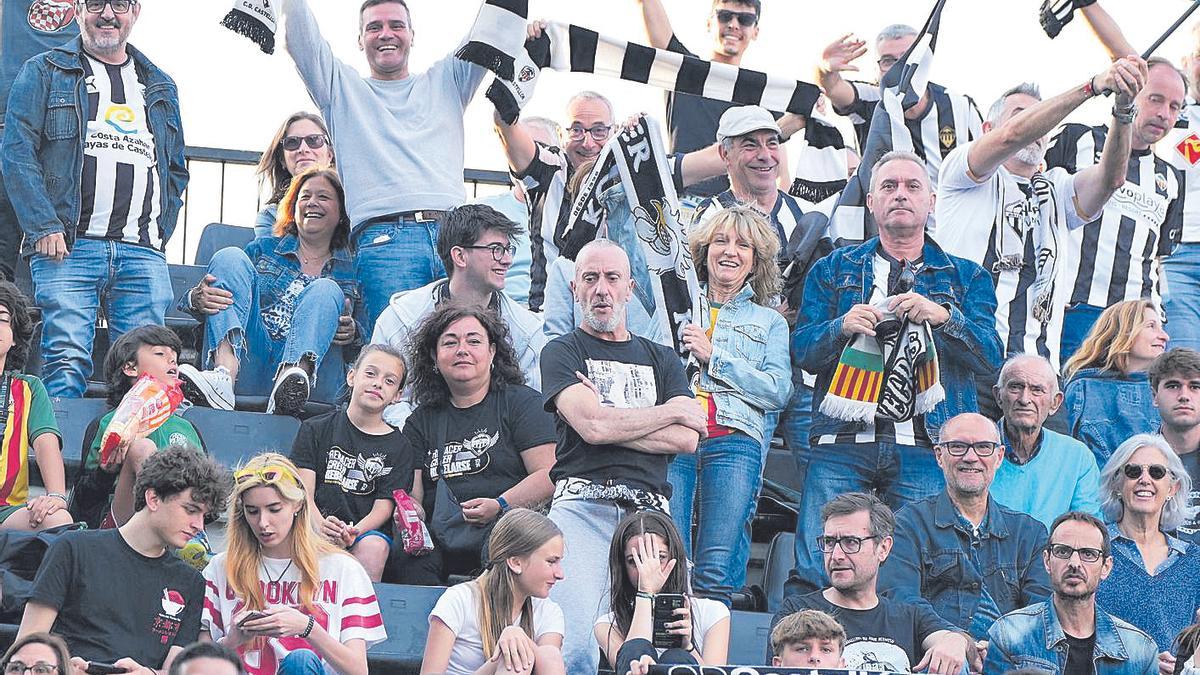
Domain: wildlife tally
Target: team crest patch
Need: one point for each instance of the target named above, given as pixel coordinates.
(1160, 181)
(948, 137)
(50, 16)
(525, 75)
(1189, 148)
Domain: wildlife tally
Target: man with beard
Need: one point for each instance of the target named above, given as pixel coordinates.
(970, 557)
(881, 634)
(624, 407)
(996, 207)
(1068, 634)
(1175, 387)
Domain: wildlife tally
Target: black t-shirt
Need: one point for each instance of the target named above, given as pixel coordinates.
(114, 602)
(353, 468)
(1190, 530)
(636, 373)
(477, 450)
(887, 637)
(1080, 652)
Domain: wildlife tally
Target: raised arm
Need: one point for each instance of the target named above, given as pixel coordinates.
(518, 144)
(836, 58)
(658, 24)
(1107, 31)
(1095, 184)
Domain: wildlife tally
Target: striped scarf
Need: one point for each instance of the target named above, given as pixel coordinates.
(254, 19)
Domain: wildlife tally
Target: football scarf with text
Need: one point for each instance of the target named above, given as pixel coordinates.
(254, 19)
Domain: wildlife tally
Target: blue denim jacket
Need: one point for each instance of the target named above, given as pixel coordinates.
(930, 560)
(43, 141)
(750, 372)
(967, 344)
(1032, 637)
(1106, 407)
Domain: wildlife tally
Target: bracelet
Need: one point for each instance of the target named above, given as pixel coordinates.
(307, 631)
(1090, 87)
(192, 298)
(59, 495)
(644, 594)
(1126, 114)
(504, 507)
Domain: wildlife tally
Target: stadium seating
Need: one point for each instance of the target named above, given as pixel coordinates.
(217, 236)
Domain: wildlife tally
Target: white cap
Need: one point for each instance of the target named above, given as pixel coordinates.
(745, 119)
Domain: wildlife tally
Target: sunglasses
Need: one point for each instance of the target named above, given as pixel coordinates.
(314, 141)
(746, 19)
(268, 474)
(1134, 471)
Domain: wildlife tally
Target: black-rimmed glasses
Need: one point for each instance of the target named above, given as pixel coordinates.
(1134, 471)
(314, 141)
(118, 6)
(39, 668)
(849, 543)
(599, 132)
(1064, 552)
(960, 448)
(498, 250)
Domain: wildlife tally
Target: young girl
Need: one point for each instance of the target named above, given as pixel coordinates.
(646, 558)
(280, 595)
(503, 621)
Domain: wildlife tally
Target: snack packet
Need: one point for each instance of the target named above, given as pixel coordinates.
(145, 408)
(413, 533)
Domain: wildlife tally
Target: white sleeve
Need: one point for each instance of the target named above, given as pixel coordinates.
(212, 617)
(453, 606)
(965, 210)
(547, 618)
(955, 173)
(360, 615)
(709, 613)
(313, 57)
(1064, 188)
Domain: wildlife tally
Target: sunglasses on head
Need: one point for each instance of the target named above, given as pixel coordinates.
(1134, 471)
(314, 141)
(268, 474)
(746, 19)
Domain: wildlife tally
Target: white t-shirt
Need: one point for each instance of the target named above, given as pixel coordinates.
(1181, 148)
(345, 606)
(458, 609)
(995, 223)
(706, 613)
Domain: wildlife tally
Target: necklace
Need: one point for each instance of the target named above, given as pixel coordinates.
(281, 574)
(315, 259)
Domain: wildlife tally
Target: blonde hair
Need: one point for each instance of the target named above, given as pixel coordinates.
(1108, 344)
(517, 534)
(243, 555)
(752, 226)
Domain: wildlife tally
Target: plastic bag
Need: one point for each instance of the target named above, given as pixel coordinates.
(145, 408)
(413, 533)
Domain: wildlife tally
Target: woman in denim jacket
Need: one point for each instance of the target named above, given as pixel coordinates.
(278, 314)
(1107, 397)
(745, 373)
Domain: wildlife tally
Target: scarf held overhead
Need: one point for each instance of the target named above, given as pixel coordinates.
(254, 19)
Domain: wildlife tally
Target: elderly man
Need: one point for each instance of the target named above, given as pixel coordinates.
(881, 633)
(93, 158)
(1044, 473)
(845, 299)
(968, 556)
(1068, 633)
(1175, 387)
(998, 208)
(623, 408)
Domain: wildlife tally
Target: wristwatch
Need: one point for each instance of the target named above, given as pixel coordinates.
(504, 507)
(1125, 115)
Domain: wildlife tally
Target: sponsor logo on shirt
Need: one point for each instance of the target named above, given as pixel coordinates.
(51, 16)
(353, 472)
(120, 114)
(1189, 149)
(1133, 201)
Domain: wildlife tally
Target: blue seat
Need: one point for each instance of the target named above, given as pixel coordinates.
(73, 416)
(183, 279)
(749, 637)
(217, 236)
(233, 436)
(781, 558)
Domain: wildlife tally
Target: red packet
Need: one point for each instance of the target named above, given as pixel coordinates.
(145, 408)
(413, 533)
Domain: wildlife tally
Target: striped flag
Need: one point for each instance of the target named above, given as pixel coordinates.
(901, 89)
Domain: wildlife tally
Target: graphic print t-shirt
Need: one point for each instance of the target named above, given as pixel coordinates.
(477, 450)
(120, 197)
(353, 468)
(636, 373)
(114, 602)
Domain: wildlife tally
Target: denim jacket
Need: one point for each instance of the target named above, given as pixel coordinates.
(1032, 637)
(1105, 407)
(750, 372)
(967, 344)
(930, 560)
(43, 141)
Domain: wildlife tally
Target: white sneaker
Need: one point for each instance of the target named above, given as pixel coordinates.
(290, 392)
(208, 388)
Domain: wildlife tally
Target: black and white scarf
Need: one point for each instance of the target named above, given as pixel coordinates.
(254, 19)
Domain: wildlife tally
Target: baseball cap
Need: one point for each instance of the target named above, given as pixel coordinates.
(744, 119)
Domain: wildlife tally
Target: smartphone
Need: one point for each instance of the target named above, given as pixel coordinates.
(665, 605)
(252, 616)
(97, 668)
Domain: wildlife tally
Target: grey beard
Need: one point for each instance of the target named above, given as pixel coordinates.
(1032, 154)
(615, 321)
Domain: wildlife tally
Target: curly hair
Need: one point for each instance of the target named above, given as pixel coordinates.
(285, 218)
(21, 322)
(273, 169)
(177, 468)
(428, 385)
(749, 226)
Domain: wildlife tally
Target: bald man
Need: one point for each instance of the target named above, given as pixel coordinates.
(971, 558)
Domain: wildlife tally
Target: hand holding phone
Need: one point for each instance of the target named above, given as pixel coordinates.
(665, 605)
(252, 616)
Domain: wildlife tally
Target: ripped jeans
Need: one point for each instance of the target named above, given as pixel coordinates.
(314, 322)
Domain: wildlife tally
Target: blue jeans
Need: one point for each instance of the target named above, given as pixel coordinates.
(796, 421)
(304, 662)
(131, 281)
(391, 257)
(729, 469)
(1077, 323)
(1183, 296)
(314, 323)
(898, 474)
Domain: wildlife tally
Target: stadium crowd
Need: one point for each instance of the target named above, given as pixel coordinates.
(992, 396)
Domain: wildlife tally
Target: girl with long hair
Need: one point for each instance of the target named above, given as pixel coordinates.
(647, 558)
(281, 595)
(503, 620)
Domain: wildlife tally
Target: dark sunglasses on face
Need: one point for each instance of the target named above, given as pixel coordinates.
(314, 141)
(1134, 471)
(746, 19)
(1064, 552)
(849, 543)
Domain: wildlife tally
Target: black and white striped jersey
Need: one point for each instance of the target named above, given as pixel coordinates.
(1117, 256)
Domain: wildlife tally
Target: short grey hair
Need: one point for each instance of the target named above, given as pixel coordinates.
(545, 125)
(1017, 358)
(894, 32)
(1175, 511)
(893, 156)
(882, 520)
(997, 109)
(588, 95)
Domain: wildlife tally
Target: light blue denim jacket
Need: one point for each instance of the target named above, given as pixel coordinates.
(1106, 407)
(43, 141)
(750, 371)
(1032, 637)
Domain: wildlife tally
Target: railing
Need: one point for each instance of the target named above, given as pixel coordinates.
(229, 174)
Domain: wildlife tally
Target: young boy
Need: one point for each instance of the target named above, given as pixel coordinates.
(350, 460)
(808, 639)
(148, 349)
(26, 419)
